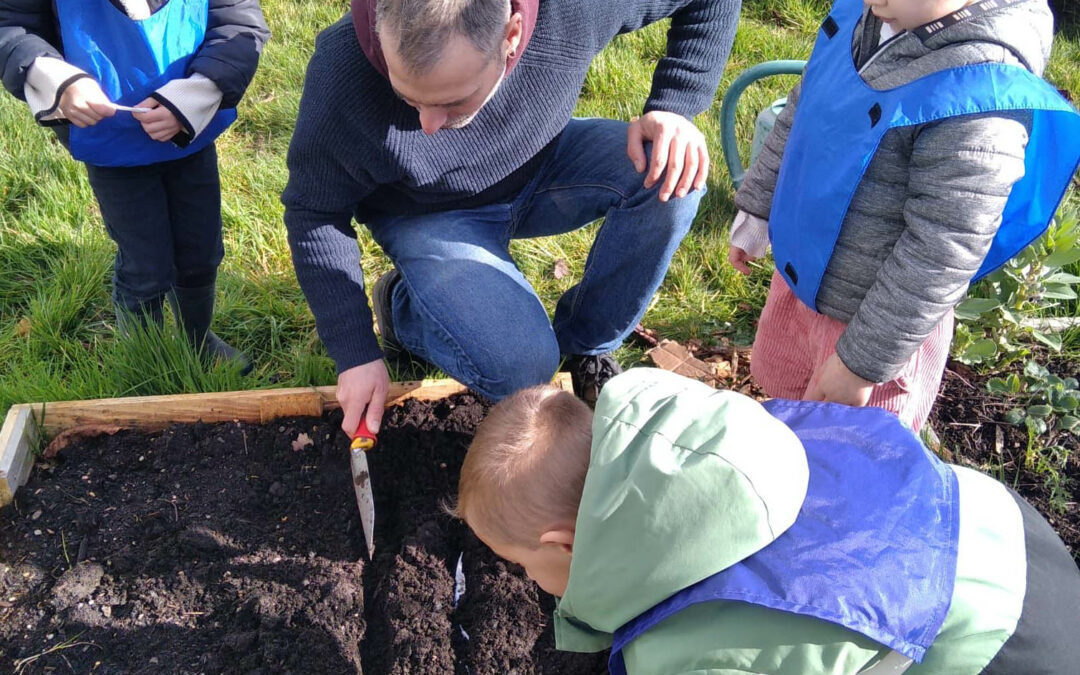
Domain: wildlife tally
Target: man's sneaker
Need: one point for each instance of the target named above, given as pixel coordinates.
(590, 373)
(381, 295)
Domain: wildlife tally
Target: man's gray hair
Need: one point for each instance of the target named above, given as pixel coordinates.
(424, 27)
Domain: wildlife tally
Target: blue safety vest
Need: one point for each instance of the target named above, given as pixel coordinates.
(873, 548)
(840, 121)
(131, 59)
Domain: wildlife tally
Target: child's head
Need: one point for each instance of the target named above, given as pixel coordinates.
(910, 14)
(522, 480)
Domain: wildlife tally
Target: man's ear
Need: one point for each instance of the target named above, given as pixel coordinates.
(515, 28)
(560, 537)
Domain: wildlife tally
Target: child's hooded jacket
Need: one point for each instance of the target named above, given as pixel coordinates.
(646, 534)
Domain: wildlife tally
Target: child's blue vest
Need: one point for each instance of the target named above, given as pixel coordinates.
(131, 59)
(840, 121)
(873, 548)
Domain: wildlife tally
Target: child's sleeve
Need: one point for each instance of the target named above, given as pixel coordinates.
(229, 55)
(222, 68)
(960, 176)
(27, 33)
(327, 180)
(750, 233)
(756, 193)
(46, 81)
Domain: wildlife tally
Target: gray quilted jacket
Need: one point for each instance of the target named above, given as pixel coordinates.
(926, 211)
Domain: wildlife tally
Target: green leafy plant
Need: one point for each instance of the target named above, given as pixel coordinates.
(1048, 407)
(996, 323)
(1045, 403)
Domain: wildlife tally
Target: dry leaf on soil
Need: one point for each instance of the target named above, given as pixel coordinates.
(302, 441)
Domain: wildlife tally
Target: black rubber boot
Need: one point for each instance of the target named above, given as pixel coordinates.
(132, 314)
(194, 310)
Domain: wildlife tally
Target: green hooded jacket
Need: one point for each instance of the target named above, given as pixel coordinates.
(685, 481)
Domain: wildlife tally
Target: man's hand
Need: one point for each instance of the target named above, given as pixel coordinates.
(84, 104)
(738, 259)
(833, 382)
(678, 148)
(159, 124)
(363, 388)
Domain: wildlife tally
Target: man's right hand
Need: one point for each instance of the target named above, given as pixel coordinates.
(84, 104)
(363, 388)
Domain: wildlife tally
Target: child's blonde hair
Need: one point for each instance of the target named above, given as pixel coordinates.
(525, 469)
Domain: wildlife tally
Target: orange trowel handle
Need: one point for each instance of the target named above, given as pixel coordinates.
(363, 438)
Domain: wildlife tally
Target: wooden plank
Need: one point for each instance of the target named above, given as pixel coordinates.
(152, 413)
(18, 438)
(20, 434)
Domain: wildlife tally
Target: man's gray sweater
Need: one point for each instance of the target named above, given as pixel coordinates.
(924, 215)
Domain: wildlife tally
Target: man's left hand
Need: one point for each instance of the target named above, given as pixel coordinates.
(833, 382)
(679, 153)
(159, 124)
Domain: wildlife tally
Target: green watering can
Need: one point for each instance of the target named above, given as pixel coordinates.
(765, 119)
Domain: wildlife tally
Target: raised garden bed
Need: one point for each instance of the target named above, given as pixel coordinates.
(210, 548)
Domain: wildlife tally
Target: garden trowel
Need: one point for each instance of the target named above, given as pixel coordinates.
(363, 440)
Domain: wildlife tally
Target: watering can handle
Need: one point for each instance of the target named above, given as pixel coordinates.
(728, 142)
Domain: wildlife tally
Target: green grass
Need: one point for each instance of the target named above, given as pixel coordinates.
(57, 335)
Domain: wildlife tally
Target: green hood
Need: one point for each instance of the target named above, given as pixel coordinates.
(664, 448)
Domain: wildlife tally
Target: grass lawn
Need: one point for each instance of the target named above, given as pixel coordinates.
(57, 335)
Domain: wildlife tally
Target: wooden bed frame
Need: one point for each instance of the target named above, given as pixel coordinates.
(29, 424)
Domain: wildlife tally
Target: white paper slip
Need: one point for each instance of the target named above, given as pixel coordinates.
(131, 109)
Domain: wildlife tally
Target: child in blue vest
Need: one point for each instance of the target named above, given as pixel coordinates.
(138, 90)
(920, 151)
(697, 531)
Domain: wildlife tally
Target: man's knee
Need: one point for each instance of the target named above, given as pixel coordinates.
(511, 365)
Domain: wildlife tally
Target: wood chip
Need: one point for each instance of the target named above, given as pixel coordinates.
(672, 356)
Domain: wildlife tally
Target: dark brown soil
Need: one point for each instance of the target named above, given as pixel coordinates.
(220, 549)
(973, 431)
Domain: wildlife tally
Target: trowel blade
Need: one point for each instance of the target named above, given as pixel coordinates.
(364, 499)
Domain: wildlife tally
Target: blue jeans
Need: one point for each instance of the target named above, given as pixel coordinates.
(166, 221)
(464, 305)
